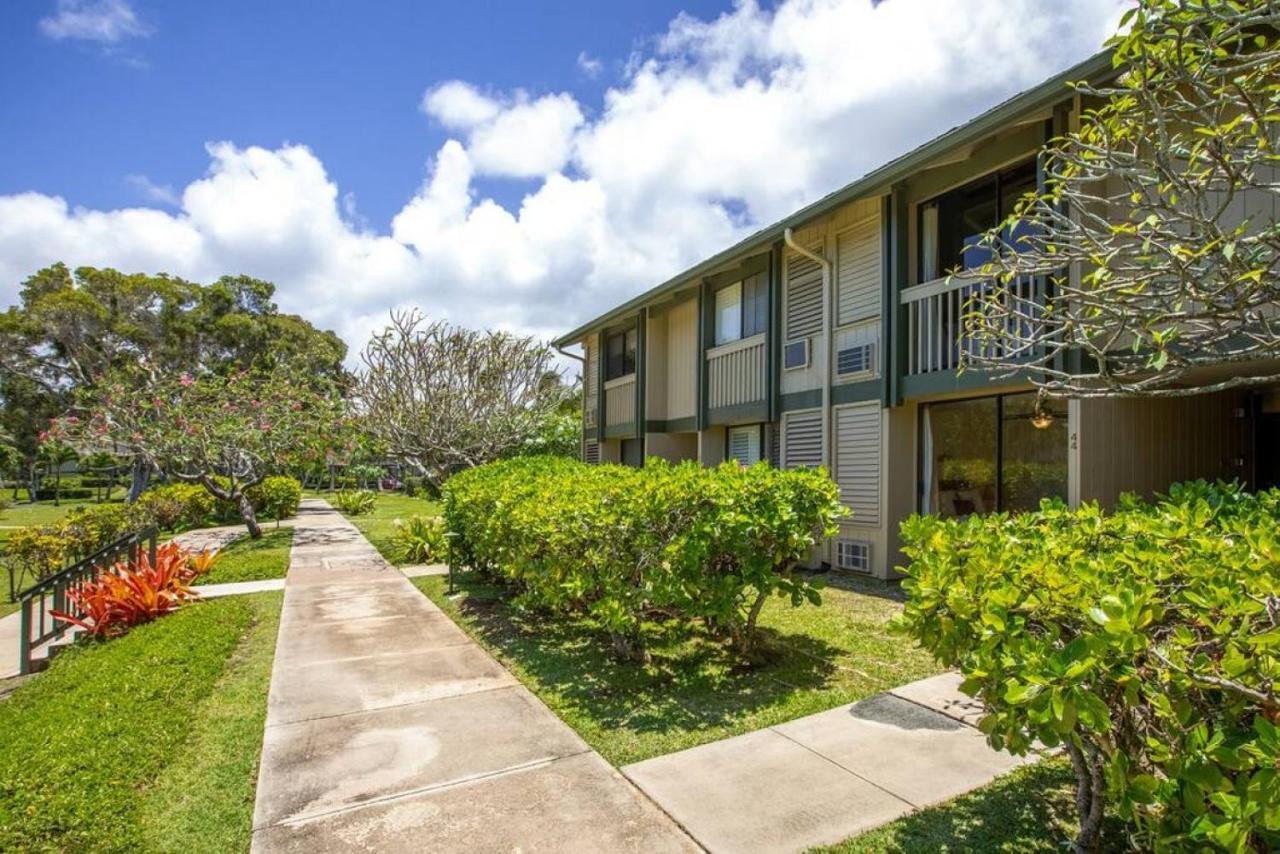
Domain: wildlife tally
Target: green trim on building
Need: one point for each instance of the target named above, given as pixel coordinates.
(642, 369)
(742, 413)
(622, 431)
(674, 425)
(809, 399)
(947, 382)
(855, 392)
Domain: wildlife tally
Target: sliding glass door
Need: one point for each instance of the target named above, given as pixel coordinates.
(992, 453)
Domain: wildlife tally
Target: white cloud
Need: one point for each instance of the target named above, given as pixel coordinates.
(105, 21)
(722, 126)
(153, 192)
(589, 65)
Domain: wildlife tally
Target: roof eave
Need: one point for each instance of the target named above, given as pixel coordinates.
(1098, 65)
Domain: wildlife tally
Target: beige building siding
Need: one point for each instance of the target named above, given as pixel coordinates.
(620, 401)
(682, 360)
(657, 369)
(1143, 445)
(672, 447)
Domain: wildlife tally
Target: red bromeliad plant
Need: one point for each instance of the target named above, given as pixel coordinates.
(125, 594)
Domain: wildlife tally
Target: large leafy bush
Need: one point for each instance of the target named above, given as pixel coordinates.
(621, 543)
(277, 496)
(37, 551)
(355, 502)
(1145, 641)
(175, 506)
(420, 539)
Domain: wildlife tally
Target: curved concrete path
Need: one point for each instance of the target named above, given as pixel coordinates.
(389, 730)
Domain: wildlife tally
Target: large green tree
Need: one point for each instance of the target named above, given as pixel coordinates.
(70, 329)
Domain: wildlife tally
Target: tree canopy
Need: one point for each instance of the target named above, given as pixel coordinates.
(1155, 232)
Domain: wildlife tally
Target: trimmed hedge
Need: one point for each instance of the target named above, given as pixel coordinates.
(619, 543)
(1145, 641)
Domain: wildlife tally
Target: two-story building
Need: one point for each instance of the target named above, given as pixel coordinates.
(831, 338)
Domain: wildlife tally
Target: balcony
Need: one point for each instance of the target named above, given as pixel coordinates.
(620, 402)
(934, 316)
(736, 373)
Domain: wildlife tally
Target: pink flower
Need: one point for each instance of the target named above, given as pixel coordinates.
(187, 380)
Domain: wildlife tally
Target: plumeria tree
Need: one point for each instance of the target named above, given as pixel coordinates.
(224, 432)
(1161, 205)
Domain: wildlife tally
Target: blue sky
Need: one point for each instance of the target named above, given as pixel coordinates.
(515, 165)
(343, 77)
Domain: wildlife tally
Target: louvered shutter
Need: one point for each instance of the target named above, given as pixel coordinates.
(591, 451)
(858, 460)
(804, 297)
(802, 439)
(858, 272)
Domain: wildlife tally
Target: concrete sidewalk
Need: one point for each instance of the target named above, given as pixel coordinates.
(388, 729)
(826, 777)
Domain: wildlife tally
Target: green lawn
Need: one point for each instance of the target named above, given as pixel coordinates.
(149, 742)
(253, 560)
(379, 526)
(693, 691)
(1031, 809)
(21, 515)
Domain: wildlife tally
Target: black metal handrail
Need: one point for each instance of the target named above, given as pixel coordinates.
(50, 594)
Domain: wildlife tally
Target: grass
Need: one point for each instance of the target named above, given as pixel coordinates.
(1031, 809)
(379, 526)
(144, 743)
(693, 691)
(21, 515)
(253, 560)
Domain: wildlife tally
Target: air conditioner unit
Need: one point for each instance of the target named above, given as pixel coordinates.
(853, 555)
(856, 360)
(795, 355)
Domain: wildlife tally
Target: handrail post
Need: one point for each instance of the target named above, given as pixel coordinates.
(24, 640)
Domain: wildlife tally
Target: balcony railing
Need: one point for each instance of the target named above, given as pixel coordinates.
(935, 321)
(736, 372)
(620, 401)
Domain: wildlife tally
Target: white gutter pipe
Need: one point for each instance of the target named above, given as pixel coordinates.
(789, 238)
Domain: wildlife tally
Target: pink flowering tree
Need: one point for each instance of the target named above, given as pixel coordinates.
(226, 433)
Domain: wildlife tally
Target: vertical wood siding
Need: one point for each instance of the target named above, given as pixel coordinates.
(682, 360)
(1142, 446)
(857, 460)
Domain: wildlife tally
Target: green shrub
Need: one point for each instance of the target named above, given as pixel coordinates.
(420, 539)
(1145, 641)
(277, 496)
(174, 506)
(619, 543)
(355, 502)
(38, 551)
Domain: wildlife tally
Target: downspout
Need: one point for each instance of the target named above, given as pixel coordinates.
(582, 418)
(827, 337)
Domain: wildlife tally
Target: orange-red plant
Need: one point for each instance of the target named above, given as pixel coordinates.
(127, 594)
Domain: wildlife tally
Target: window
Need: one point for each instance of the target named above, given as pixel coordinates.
(954, 221)
(741, 309)
(993, 453)
(620, 354)
(743, 444)
(796, 354)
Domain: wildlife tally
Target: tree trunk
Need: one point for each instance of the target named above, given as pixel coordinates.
(628, 647)
(1090, 797)
(250, 518)
(33, 484)
(140, 478)
(57, 485)
(745, 637)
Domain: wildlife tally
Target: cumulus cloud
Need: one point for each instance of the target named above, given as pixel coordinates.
(721, 126)
(153, 192)
(104, 21)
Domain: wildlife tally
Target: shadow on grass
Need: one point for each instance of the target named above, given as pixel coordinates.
(691, 682)
(1030, 809)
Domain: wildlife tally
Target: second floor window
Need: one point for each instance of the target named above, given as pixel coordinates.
(620, 354)
(951, 224)
(741, 309)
